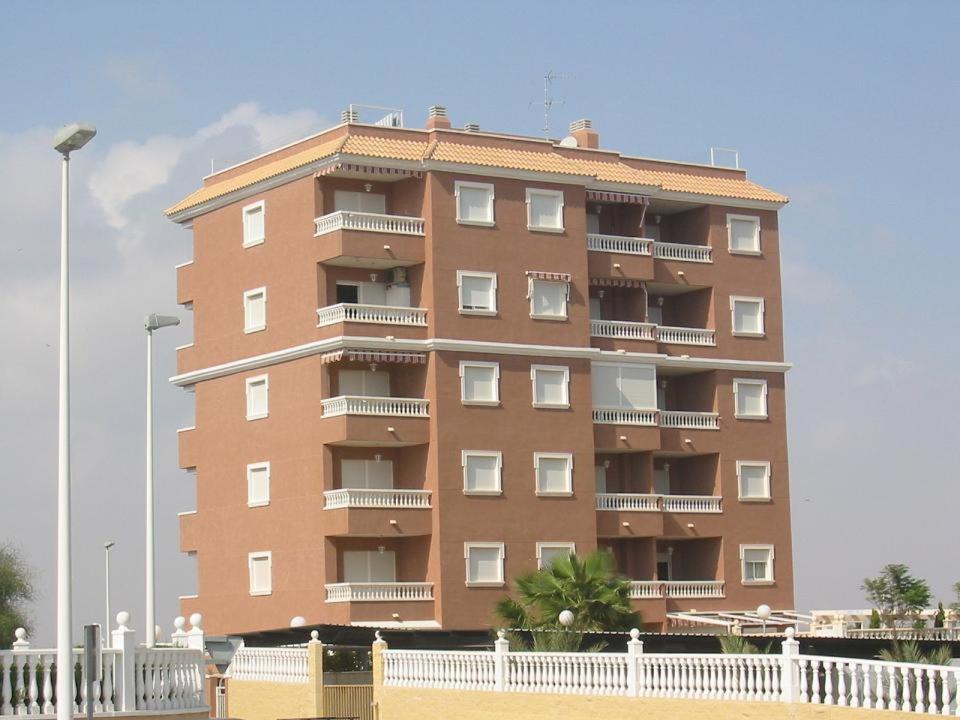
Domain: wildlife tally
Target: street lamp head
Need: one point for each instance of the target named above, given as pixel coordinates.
(566, 618)
(155, 322)
(73, 137)
(764, 612)
(109, 544)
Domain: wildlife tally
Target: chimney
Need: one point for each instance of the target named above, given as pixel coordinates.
(437, 117)
(471, 127)
(586, 136)
(350, 116)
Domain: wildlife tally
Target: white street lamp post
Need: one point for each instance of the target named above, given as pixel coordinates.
(106, 577)
(763, 612)
(152, 322)
(69, 138)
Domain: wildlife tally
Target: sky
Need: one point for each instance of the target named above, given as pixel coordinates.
(850, 108)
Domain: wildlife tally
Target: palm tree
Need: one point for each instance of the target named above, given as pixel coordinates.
(909, 651)
(588, 587)
(738, 645)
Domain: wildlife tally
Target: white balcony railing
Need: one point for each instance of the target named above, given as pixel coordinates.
(283, 665)
(379, 314)
(685, 335)
(368, 222)
(624, 416)
(681, 251)
(689, 420)
(379, 592)
(619, 244)
(622, 329)
(385, 406)
(636, 502)
(628, 502)
(645, 589)
(693, 589)
(691, 503)
(366, 498)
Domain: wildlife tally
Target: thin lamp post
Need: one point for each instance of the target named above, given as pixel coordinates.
(69, 138)
(106, 577)
(151, 323)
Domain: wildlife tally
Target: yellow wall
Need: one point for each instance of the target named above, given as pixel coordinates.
(255, 700)
(422, 704)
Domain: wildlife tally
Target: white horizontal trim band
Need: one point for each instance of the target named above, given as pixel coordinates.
(470, 346)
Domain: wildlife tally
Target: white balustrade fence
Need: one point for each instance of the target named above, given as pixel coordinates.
(689, 420)
(283, 665)
(379, 591)
(684, 589)
(637, 502)
(691, 503)
(366, 498)
(379, 314)
(786, 677)
(681, 251)
(685, 335)
(622, 329)
(624, 416)
(930, 633)
(619, 244)
(368, 222)
(683, 419)
(646, 589)
(135, 679)
(383, 406)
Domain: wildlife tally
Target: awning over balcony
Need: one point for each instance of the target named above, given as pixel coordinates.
(617, 197)
(553, 276)
(353, 169)
(378, 356)
(616, 282)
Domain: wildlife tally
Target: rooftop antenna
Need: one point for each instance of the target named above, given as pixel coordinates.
(548, 100)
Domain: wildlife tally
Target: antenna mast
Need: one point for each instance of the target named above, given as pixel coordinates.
(548, 101)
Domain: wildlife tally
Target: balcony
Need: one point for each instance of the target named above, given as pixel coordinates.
(689, 420)
(643, 502)
(366, 498)
(379, 592)
(682, 252)
(374, 314)
(379, 406)
(369, 240)
(619, 244)
(677, 589)
(627, 330)
(681, 419)
(625, 416)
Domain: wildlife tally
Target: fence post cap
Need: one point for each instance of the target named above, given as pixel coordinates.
(179, 621)
(123, 617)
(501, 634)
(634, 633)
(196, 620)
(790, 632)
(315, 636)
(21, 635)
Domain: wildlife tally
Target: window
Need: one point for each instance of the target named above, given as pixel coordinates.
(366, 474)
(365, 293)
(600, 479)
(478, 292)
(480, 383)
(756, 563)
(551, 385)
(253, 224)
(746, 315)
(257, 397)
(554, 473)
(364, 383)
(482, 472)
(753, 477)
(484, 563)
(260, 566)
(254, 310)
(548, 299)
(751, 398)
(366, 566)
(545, 210)
(352, 201)
(258, 484)
(547, 552)
(474, 203)
(743, 232)
(624, 386)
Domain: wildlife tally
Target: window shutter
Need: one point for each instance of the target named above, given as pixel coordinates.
(553, 475)
(482, 473)
(638, 386)
(474, 204)
(485, 565)
(550, 387)
(258, 484)
(744, 235)
(479, 383)
(550, 298)
(476, 292)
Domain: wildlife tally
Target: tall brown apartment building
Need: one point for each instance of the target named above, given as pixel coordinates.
(427, 360)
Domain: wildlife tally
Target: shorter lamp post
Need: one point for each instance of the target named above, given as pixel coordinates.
(763, 612)
(106, 579)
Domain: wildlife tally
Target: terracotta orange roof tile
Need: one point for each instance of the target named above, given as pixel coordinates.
(381, 147)
(740, 188)
(264, 172)
(489, 156)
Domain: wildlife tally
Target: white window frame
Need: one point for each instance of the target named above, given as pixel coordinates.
(534, 369)
(260, 205)
(266, 386)
(467, 546)
(734, 299)
(771, 578)
(260, 555)
(541, 546)
(488, 187)
(492, 276)
(531, 286)
(537, 457)
(737, 382)
(496, 382)
(257, 502)
(247, 295)
(765, 464)
(548, 193)
(464, 454)
(755, 219)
